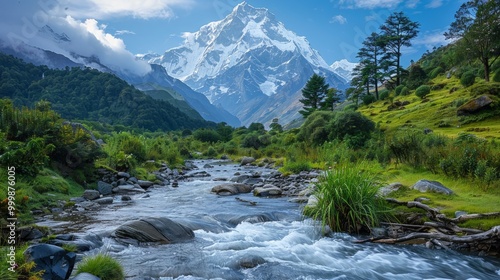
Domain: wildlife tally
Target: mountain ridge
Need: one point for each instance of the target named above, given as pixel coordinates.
(242, 61)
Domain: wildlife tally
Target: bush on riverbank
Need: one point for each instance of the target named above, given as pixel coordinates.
(347, 200)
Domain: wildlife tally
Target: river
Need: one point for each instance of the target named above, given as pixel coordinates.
(272, 234)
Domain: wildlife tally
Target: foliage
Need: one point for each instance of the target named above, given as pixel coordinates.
(371, 57)
(467, 79)
(314, 93)
(416, 77)
(352, 127)
(25, 269)
(207, 135)
(435, 72)
(347, 200)
(478, 28)
(423, 91)
(89, 94)
(384, 94)
(102, 266)
(398, 31)
(369, 99)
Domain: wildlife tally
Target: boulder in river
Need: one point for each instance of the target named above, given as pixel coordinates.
(267, 191)
(162, 230)
(231, 189)
(91, 194)
(247, 160)
(56, 263)
(104, 188)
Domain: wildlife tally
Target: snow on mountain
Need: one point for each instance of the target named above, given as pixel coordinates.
(344, 69)
(243, 60)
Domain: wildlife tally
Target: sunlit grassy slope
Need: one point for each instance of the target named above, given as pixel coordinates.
(438, 111)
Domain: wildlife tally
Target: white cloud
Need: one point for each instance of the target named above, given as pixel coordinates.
(412, 3)
(113, 8)
(434, 4)
(338, 19)
(370, 4)
(122, 32)
(432, 39)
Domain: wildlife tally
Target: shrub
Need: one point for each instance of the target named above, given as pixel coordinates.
(347, 200)
(211, 152)
(405, 91)
(468, 78)
(206, 135)
(422, 91)
(102, 266)
(384, 94)
(296, 167)
(416, 77)
(435, 72)
(314, 128)
(369, 99)
(352, 126)
(398, 89)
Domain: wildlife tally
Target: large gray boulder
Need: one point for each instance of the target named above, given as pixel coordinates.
(431, 186)
(161, 230)
(104, 188)
(247, 160)
(267, 190)
(91, 194)
(56, 263)
(231, 189)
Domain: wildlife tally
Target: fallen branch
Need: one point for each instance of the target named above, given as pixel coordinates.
(468, 217)
(493, 233)
(253, 203)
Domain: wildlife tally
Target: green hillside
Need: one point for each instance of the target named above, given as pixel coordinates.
(87, 94)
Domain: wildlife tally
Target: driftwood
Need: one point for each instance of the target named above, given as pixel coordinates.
(440, 229)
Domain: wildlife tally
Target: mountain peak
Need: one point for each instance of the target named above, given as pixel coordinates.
(246, 12)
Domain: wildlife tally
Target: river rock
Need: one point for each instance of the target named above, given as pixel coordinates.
(27, 233)
(104, 188)
(267, 190)
(312, 201)
(253, 181)
(132, 180)
(125, 189)
(247, 160)
(85, 276)
(433, 186)
(126, 198)
(123, 175)
(91, 194)
(56, 263)
(145, 184)
(198, 174)
(250, 261)
(162, 230)
(88, 205)
(231, 189)
(104, 200)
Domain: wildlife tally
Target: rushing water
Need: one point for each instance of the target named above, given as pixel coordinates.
(272, 234)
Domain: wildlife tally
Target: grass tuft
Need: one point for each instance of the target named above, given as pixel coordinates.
(102, 266)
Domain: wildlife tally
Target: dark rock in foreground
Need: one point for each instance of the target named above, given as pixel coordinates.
(162, 230)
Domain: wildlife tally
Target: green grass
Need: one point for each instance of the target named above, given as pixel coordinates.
(468, 197)
(347, 200)
(102, 266)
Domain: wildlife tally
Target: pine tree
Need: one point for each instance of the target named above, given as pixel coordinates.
(398, 31)
(371, 57)
(477, 24)
(314, 94)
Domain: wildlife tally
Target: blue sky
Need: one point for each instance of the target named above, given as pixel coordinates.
(115, 30)
(335, 28)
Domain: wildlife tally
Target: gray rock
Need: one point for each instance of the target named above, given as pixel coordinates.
(475, 105)
(132, 180)
(198, 174)
(250, 261)
(91, 194)
(162, 230)
(126, 198)
(460, 213)
(144, 184)
(312, 201)
(253, 181)
(240, 178)
(231, 189)
(123, 175)
(85, 276)
(121, 181)
(88, 205)
(56, 263)
(104, 188)
(247, 160)
(104, 200)
(433, 186)
(219, 179)
(384, 191)
(208, 166)
(77, 199)
(272, 191)
(125, 189)
(29, 233)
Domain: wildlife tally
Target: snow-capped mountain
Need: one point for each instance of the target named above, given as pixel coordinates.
(248, 63)
(53, 49)
(344, 69)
